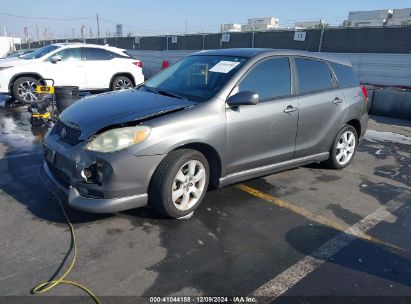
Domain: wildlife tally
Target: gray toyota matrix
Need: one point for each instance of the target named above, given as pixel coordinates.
(213, 119)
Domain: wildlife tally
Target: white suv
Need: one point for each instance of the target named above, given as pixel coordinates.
(88, 66)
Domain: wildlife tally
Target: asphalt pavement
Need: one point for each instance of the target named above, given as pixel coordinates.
(303, 233)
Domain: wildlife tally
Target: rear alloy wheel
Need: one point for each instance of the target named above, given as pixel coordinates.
(343, 149)
(179, 183)
(121, 83)
(24, 90)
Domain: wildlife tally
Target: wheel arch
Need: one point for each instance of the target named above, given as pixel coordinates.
(213, 158)
(20, 75)
(125, 74)
(356, 124)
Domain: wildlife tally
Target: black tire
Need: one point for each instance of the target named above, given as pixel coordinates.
(121, 79)
(16, 86)
(332, 162)
(161, 184)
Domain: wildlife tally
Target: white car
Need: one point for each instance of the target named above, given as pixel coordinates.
(88, 66)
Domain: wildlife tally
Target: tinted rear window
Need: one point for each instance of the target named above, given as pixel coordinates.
(96, 54)
(346, 75)
(270, 79)
(313, 75)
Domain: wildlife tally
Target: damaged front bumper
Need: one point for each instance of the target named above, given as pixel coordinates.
(97, 205)
(99, 182)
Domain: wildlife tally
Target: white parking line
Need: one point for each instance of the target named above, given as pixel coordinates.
(287, 279)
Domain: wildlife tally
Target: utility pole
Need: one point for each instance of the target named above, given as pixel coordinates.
(83, 34)
(253, 39)
(37, 30)
(98, 27)
(26, 34)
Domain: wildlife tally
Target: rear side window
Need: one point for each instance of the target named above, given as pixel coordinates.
(96, 54)
(346, 76)
(313, 75)
(270, 79)
(116, 55)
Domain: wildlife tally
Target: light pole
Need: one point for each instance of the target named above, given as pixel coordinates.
(252, 41)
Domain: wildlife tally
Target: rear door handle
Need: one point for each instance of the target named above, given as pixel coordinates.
(290, 109)
(337, 101)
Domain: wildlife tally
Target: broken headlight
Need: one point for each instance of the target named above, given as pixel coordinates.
(118, 139)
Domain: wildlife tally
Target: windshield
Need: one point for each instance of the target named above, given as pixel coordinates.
(196, 78)
(14, 55)
(40, 52)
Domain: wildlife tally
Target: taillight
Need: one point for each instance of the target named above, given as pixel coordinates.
(364, 91)
(165, 64)
(138, 63)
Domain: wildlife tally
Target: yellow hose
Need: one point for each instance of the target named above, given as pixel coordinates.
(48, 285)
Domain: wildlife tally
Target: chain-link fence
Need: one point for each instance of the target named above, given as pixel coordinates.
(339, 40)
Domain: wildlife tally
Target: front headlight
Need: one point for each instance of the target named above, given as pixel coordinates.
(118, 139)
(3, 68)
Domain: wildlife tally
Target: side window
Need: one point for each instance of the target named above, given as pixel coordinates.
(313, 75)
(96, 54)
(346, 76)
(270, 79)
(73, 54)
(116, 55)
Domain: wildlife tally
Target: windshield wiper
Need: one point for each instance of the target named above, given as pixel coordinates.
(150, 89)
(162, 92)
(171, 94)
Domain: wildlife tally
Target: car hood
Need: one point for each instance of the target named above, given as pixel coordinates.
(6, 62)
(95, 113)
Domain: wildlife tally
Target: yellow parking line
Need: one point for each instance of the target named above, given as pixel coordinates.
(312, 216)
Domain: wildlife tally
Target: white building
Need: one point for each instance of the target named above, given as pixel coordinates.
(258, 27)
(8, 44)
(369, 18)
(401, 17)
(310, 24)
(231, 28)
(261, 24)
(272, 21)
(119, 30)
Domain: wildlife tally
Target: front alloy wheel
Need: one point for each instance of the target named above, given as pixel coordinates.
(24, 90)
(179, 183)
(188, 185)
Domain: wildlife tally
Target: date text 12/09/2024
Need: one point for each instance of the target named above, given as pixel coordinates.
(201, 299)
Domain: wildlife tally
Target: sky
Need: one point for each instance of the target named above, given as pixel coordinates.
(161, 17)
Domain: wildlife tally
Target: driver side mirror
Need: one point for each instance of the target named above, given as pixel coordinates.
(56, 58)
(243, 98)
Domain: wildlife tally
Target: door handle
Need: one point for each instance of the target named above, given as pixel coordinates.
(337, 101)
(290, 109)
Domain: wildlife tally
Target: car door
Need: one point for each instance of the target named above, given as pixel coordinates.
(99, 68)
(69, 71)
(263, 134)
(322, 106)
